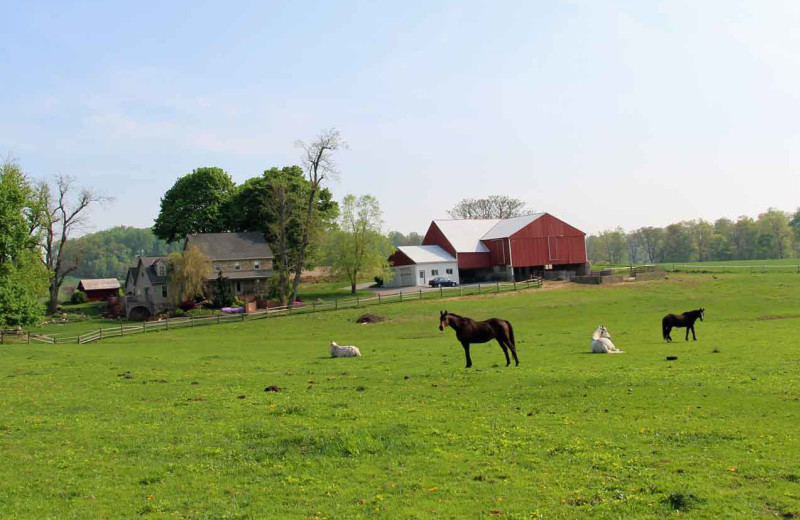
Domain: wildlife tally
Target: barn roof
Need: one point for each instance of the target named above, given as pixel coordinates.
(231, 246)
(507, 227)
(426, 254)
(465, 235)
(99, 284)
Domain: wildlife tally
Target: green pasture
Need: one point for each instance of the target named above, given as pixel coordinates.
(178, 424)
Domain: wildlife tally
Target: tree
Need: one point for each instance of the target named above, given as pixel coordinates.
(187, 274)
(23, 278)
(651, 239)
(194, 204)
(775, 234)
(399, 239)
(223, 296)
(745, 233)
(612, 246)
(492, 207)
(678, 245)
(64, 212)
(702, 233)
(320, 166)
(359, 247)
(795, 225)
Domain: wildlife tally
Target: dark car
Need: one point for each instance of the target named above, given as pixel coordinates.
(441, 281)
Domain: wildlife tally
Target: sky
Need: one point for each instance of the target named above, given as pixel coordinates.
(603, 114)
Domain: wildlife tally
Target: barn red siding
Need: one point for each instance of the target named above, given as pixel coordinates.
(548, 240)
(101, 295)
(498, 251)
(435, 237)
(400, 258)
(474, 260)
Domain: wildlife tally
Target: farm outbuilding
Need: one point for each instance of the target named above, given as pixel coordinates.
(506, 249)
(417, 265)
(99, 289)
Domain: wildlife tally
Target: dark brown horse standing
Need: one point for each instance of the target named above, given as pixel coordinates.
(686, 319)
(471, 331)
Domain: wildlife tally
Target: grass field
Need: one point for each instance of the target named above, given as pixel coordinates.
(178, 425)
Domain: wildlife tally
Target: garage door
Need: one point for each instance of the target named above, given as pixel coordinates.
(406, 278)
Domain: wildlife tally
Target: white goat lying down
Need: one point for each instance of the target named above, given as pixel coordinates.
(601, 342)
(346, 351)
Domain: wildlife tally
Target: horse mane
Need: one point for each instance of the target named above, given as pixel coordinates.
(458, 316)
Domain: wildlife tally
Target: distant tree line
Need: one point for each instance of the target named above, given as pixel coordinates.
(774, 234)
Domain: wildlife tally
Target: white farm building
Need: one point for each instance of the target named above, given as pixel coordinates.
(417, 265)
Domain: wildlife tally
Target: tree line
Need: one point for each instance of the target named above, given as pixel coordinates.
(774, 234)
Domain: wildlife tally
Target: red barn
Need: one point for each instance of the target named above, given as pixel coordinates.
(99, 289)
(512, 248)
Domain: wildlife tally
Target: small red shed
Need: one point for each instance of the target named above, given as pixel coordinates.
(99, 289)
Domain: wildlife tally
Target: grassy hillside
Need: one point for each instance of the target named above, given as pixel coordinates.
(178, 425)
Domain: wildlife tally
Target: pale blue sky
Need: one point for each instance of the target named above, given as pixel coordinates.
(602, 113)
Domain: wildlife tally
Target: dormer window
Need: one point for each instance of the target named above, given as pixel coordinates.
(161, 269)
(237, 266)
(257, 265)
(216, 267)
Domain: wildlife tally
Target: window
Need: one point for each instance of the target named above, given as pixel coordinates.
(163, 291)
(216, 267)
(422, 274)
(161, 269)
(237, 266)
(257, 265)
(434, 272)
(449, 271)
(238, 287)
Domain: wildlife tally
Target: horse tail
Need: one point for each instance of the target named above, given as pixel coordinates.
(511, 334)
(664, 327)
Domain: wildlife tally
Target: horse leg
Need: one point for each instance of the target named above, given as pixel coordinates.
(687, 332)
(693, 334)
(466, 353)
(505, 351)
(514, 353)
(669, 338)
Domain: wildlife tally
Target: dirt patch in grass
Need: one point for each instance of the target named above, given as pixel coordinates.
(770, 317)
(370, 318)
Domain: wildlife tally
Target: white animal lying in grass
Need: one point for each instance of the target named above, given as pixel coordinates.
(346, 351)
(601, 342)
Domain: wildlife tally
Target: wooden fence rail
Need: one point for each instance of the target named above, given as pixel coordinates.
(217, 319)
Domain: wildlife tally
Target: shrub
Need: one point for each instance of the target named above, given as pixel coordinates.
(378, 281)
(187, 305)
(237, 303)
(178, 313)
(79, 297)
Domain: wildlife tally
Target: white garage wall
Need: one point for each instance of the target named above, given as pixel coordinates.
(440, 268)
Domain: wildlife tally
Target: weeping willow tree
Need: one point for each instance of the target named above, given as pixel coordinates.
(187, 274)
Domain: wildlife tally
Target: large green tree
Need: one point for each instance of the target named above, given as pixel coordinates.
(359, 247)
(195, 204)
(23, 277)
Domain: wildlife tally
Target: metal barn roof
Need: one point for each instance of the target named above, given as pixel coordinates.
(507, 227)
(426, 254)
(99, 284)
(465, 235)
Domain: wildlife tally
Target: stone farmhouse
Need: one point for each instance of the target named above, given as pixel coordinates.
(244, 259)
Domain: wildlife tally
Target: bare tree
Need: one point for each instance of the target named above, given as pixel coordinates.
(62, 214)
(319, 165)
(492, 207)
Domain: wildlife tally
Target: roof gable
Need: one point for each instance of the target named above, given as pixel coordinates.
(97, 284)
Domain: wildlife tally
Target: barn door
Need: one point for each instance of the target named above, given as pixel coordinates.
(552, 248)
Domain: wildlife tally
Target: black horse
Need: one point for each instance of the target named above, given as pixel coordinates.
(471, 331)
(686, 319)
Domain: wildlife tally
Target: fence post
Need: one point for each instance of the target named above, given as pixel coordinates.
(379, 298)
(55, 341)
(314, 305)
(121, 330)
(515, 285)
(420, 294)
(29, 337)
(498, 286)
(191, 320)
(144, 326)
(243, 316)
(336, 304)
(358, 301)
(79, 339)
(441, 292)
(460, 290)
(479, 288)
(101, 332)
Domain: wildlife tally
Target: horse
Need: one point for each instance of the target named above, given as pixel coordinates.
(471, 331)
(686, 319)
(601, 342)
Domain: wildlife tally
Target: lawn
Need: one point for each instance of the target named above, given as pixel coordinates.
(179, 425)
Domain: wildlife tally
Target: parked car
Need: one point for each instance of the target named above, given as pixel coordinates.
(441, 281)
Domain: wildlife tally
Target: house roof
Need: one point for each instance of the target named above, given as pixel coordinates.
(426, 254)
(148, 263)
(507, 227)
(97, 284)
(465, 235)
(231, 246)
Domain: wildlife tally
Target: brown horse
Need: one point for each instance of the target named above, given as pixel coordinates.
(686, 319)
(471, 331)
